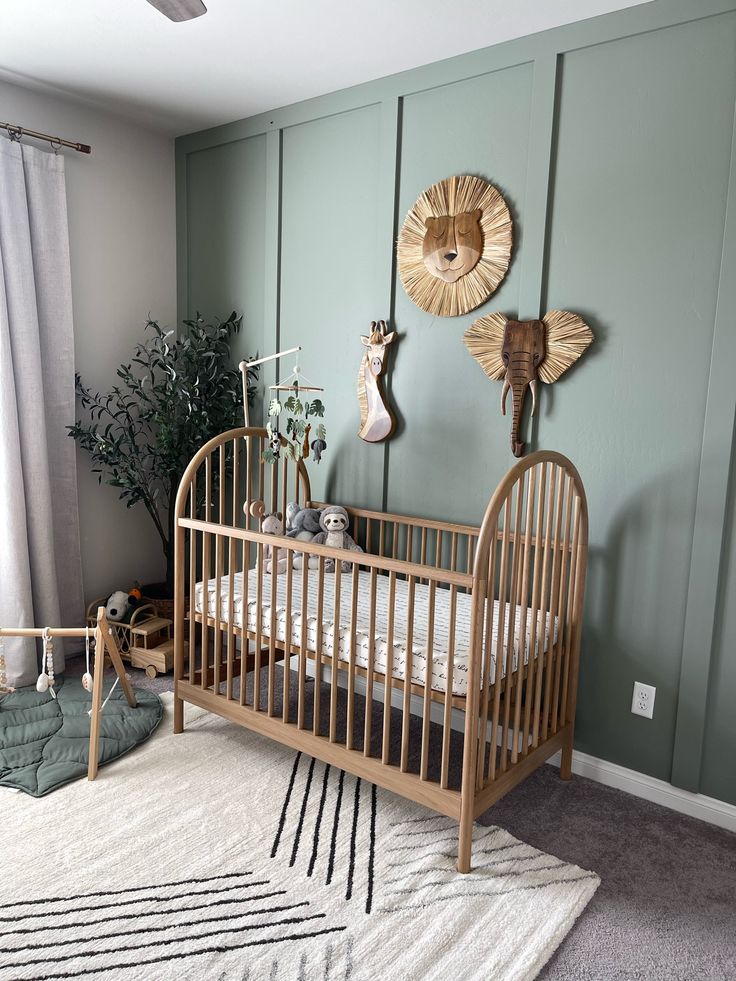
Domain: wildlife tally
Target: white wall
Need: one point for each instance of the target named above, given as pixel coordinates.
(122, 234)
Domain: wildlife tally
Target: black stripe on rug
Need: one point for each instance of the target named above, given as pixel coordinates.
(318, 822)
(285, 808)
(300, 825)
(121, 892)
(143, 900)
(335, 824)
(351, 868)
(287, 921)
(139, 914)
(218, 949)
(223, 917)
(371, 850)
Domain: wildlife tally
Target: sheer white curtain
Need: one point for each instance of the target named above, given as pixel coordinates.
(40, 565)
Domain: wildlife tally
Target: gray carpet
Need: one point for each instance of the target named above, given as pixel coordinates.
(666, 908)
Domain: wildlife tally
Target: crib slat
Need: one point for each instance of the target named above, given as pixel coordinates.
(244, 640)
(193, 538)
(318, 658)
(351, 663)
(287, 636)
(424, 761)
(284, 490)
(523, 601)
(232, 552)
(534, 614)
(487, 652)
(409, 542)
(248, 490)
(260, 559)
(335, 652)
(499, 634)
(219, 558)
(303, 640)
(230, 606)
(569, 637)
(274, 475)
(508, 681)
(552, 605)
(388, 684)
(543, 623)
(423, 550)
(275, 554)
(560, 608)
(438, 550)
(408, 669)
(205, 633)
(447, 718)
(371, 663)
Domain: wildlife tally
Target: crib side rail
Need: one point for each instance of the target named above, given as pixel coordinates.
(352, 629)
(420, 541)
(531, 563)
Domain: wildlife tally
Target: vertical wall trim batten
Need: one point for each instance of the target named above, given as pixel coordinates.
(272, 247)
(182, 233)
(387, 208)
(706, 560)
(536, 197)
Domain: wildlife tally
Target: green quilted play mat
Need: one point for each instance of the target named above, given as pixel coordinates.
(44, 741)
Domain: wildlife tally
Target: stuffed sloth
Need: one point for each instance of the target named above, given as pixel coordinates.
(334, 521)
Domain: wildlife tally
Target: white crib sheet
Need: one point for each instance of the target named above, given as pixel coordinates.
(442, 608)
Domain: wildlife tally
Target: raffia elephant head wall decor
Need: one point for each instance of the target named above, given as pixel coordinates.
(521, 351)
(455, 245)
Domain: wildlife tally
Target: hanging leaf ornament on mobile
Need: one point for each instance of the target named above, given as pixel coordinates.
(291, 435)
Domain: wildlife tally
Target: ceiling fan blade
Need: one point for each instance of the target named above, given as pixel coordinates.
(180, 10)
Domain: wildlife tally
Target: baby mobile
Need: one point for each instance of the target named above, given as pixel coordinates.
(294, 423)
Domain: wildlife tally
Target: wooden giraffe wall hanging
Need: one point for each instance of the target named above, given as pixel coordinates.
(377, 421)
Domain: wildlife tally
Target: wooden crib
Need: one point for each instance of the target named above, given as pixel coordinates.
(377, 657)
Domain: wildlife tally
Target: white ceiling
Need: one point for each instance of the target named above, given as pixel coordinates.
(244, 56)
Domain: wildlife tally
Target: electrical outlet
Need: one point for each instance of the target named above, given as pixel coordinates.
(643, 701)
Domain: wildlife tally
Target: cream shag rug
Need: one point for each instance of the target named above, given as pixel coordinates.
(217, 854)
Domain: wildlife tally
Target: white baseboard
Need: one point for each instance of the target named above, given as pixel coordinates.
(611, 774)
(650, 788)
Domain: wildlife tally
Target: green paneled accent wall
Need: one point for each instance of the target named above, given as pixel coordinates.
(611, 140)
(226, 222)
(328, 281)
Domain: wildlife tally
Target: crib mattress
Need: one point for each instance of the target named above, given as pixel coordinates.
(420, 638)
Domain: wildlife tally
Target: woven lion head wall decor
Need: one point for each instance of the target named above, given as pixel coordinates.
(455, 246)
(520, 351)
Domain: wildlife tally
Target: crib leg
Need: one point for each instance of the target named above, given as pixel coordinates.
(178, 714)
(566, 759)
(465, 841)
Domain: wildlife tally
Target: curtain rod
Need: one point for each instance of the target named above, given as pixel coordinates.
(16, 132)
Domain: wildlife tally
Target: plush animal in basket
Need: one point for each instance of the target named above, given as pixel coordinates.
(304, 526)
(271, 524)
(120, 606)
(334, 521)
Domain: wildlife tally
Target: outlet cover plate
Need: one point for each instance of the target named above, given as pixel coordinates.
(642, 702)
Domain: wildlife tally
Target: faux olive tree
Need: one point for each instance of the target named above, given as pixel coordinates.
(174, 395)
